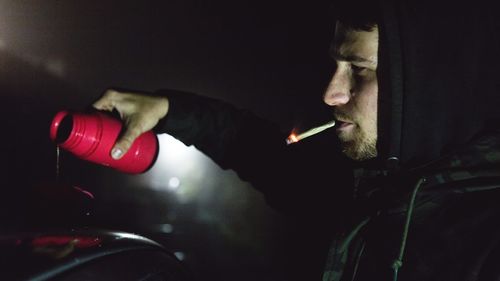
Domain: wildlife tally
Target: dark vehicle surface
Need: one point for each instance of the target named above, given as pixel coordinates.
(86, 254)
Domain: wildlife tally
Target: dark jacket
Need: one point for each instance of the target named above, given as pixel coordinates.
(441, 222)
(427, 207)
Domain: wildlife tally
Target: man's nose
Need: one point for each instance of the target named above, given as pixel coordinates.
(339, 89)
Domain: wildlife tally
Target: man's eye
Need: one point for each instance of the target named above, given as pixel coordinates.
(358, 69)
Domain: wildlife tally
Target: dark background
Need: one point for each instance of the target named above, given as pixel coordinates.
(266, 56)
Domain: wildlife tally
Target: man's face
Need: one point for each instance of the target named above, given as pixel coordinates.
(353, 91)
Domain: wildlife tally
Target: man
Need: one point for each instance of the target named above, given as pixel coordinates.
(353, 90)
(415, 98)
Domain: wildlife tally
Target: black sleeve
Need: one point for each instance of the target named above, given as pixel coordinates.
(300, 178)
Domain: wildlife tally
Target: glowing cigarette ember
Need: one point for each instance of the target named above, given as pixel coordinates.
(295, 138)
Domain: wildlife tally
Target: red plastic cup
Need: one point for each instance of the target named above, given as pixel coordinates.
(91, 136)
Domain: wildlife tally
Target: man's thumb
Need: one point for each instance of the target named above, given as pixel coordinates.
(123, 144)
(117, 152)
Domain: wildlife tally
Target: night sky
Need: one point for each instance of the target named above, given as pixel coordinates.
(267, 56)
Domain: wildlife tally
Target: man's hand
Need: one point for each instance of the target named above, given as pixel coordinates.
(140, 113)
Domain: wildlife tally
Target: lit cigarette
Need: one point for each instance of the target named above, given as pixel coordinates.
(295, 138)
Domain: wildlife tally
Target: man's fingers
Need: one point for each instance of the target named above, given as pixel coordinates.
(138, 111)
(107, 101)
(124, 143)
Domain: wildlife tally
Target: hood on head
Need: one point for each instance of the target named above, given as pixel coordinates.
(437, 84)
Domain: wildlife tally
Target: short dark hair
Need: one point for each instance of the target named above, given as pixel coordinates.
(362, 15)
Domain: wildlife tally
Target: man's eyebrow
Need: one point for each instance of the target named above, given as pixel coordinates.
(350, 58)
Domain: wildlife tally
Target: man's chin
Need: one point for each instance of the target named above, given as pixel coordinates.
(349, 149)
(358, 152)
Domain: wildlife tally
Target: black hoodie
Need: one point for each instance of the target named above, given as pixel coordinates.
(432, 206)
(439, 77)
(432, 213)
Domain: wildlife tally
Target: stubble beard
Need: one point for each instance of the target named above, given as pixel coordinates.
(360, 146)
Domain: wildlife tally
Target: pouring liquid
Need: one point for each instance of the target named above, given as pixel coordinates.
(58, 157)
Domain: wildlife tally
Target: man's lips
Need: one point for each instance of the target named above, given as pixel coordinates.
(343, 124)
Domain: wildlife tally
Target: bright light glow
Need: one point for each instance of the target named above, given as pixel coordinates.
(174, 183)
(177, 161)
(175, 155)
